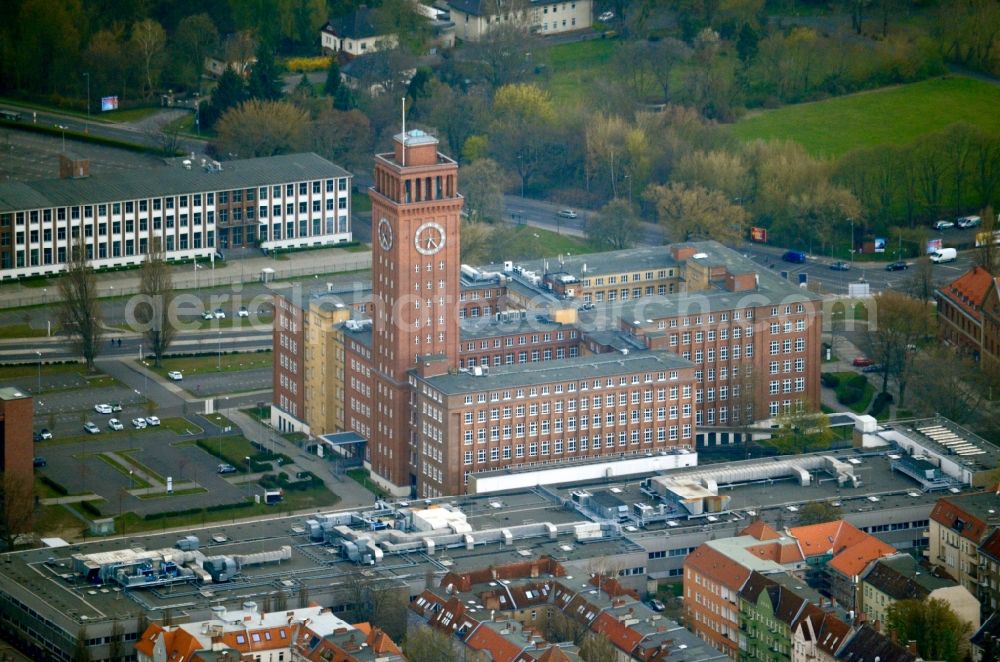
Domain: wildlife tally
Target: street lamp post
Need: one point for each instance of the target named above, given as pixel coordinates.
(852, 241)
(39, 389)
(87, 76)
(247, 458)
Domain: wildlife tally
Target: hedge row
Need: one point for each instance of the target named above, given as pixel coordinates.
(881, 403)
(194, 511)
(281, 480)
(54, 486)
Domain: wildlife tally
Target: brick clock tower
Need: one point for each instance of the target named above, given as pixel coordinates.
(415, 283)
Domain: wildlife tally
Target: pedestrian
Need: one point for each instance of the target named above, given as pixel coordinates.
(119, 342)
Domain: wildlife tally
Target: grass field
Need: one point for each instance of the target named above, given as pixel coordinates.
(546, 243)
(193, 365)
(574, 67)
(895, 115)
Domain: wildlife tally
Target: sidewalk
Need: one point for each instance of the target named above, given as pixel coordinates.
(202, 275)
(351, 493)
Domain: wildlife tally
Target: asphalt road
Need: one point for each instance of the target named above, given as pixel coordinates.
(136, 133)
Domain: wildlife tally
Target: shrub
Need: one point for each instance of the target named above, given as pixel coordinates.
(882, 401)
(848, 394)
(54, 486)
(829, 379)
(858, 381)
(303, 64)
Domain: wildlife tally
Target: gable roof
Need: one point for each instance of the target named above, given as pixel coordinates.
(991, 546)
(710, 563)
(902, 578)
(963, 514)
(867, 645)
(760, 530)
(359, 24)
(826, 630)
(826, 538)
(989, 630)
(178, 642)
(969, 290)
(852, 561)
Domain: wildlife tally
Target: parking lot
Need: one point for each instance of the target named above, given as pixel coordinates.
(28, 156)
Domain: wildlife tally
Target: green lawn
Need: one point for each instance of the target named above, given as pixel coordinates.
(574, 67)
(361, 476)
(861, 405)
(193, 365)
(893, 115)
(549, 244)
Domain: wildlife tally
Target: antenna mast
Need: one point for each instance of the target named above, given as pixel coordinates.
(404, 132)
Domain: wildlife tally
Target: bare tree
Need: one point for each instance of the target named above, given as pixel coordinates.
(504, 51)
(378, 600)
(17, 506)
(425, 644)
(156, 285)
(988, 255)
(959, 390)
(80, 314)
(149, 42)
(902, 323)
(615, 225)
(597, 648)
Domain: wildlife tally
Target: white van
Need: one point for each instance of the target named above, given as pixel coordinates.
(944, 255)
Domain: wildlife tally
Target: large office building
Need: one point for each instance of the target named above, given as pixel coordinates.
(446, 371)
(16, 425)
(191, 209)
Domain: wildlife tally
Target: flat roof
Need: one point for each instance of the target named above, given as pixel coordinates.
(12, 393)
(580, 367)
(171, 179)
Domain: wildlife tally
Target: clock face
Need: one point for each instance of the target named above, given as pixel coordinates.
(429, 238)
(385, 234)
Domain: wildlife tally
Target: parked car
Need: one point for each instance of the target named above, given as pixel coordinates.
(139, 423)
(220, 314)
(655, 605)
(566, 213)
(862, 362)
(115, 424)
(897, 266)
(175, 375)
(840, 265)
(38, 461)
(798, 257)
(606, 16)
(966, 222)
(44, 433)
(243, 312)
(875, 367)
(226, 469)
(91, 428)
(103, 409)
(943, 225)
(116, 407)
(152, 421)
(208, 315)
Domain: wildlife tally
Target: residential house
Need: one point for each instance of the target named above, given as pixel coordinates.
(310, 633)
(958, 526)
(837, 553)
(868, 645)
(986, 640)
(989, 353)
(355, 34)
(901, 577)
(818, 636)
(989, 572)
(475, 18)
(960, 306)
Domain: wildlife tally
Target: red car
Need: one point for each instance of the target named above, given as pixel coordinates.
(862, 362)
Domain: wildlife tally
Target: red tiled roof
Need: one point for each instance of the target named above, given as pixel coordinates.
(378, 640)
(969, 290)
(499, 647)
(716, 566)
(760, 530)
(827, 538)
(991, 547)
(178, 643)
(853, 560)
(622, 636)
(777, 552)
(554, 654)
(949, 514)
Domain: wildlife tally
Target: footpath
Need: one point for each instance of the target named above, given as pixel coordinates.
(203, 274)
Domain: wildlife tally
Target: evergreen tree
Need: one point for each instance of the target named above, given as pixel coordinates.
(265, 79)
(229, 93)
(332, 85)
(746, 44)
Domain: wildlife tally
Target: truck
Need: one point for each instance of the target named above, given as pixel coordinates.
(944, 255)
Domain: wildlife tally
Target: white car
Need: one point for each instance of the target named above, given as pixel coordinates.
(175, 375)
(208, 315)
(243, 312)
(115, 424)
(91, 428)
(566, 213)
(139, 423)
(220, 314)
(152, 421)
(968, 222)
(103, 409)
(943, 225)
(606, 16)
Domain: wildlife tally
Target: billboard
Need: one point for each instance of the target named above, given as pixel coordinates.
(879, 244)
(933, 245)
(109, 103)
(758, 234)
(983, 237)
